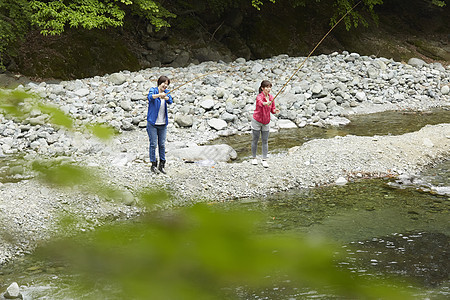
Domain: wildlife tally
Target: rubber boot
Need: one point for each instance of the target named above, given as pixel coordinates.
(153, 168)
(162, 164)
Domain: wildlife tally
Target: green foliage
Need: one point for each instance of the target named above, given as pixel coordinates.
(12, 103)
(354, 18)
(57, 116)
(53, 16)
(101, 131)
(19, 105)
(62, 174)
(152, 11)
(438, 3)
(257, 3)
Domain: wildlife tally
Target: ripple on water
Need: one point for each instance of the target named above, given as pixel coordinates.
(419, 257)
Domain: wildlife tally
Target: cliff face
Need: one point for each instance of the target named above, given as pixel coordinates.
(404, 30)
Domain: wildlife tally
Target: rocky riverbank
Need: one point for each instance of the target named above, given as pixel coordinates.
(323, 93)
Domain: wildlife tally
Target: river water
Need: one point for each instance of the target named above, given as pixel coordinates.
(384, 226)
(385, 229)
(384, 123)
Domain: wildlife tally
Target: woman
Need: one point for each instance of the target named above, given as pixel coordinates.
(265, 105)
(157, 120)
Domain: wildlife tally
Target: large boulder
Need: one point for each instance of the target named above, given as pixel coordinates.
(117, 78)
(217, 124)
(416, 62)
(217, 153)
(286, 124)
(184, 120)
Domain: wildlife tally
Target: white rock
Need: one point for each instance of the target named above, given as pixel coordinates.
(341, 181)
(122, 159)
(117, 78)
(316, 88)
(361, 96)
(13, 291)
(416, 62)
(445, 90)
(217, 153)
(82, 92)
(286, 124)
(338, 121)
(217, 124)
(257, 68)
(207, 103)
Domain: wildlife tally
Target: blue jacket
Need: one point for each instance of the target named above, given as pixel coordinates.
(154, 104)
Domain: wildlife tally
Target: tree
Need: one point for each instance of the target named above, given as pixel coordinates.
(52, 17)
(342, 6)
(14, 23)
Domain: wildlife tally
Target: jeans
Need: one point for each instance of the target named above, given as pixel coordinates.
(157, 136)
(265, 142)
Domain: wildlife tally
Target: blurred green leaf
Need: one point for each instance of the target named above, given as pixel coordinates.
(12, 103)
(67, 174)
(19, 104)
(152, 196)
(57, 116)
(199, 253)
(62, 174)
(102, 131)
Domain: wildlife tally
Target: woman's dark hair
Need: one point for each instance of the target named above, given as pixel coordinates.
(264, 84)
(162, 79)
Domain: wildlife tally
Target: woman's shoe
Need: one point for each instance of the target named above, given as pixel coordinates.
(162, 164)
(265, 164)
(254, 161)
(153, 168)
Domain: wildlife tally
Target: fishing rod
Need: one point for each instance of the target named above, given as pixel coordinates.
(298, 69)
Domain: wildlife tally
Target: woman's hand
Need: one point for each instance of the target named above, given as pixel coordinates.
(277, 110)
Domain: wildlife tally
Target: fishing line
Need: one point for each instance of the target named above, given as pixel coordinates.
(298, 69)
(203, 75)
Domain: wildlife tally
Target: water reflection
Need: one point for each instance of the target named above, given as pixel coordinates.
(418, 258)
(358, 210)
(384, 229)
